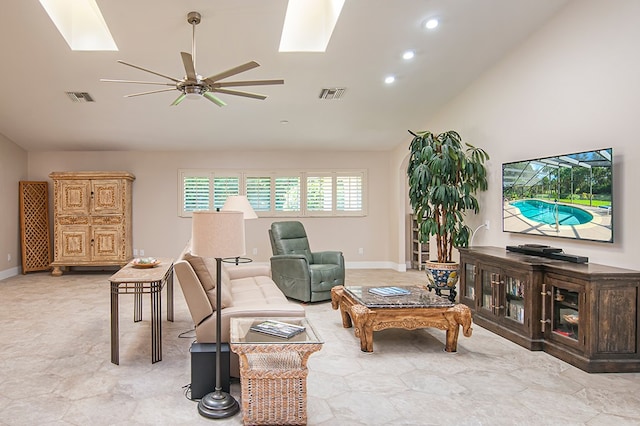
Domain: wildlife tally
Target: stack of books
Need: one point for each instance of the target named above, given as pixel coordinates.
(277, 328)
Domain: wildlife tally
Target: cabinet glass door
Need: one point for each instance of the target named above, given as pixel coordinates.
(566, 313)
(490, 293)
(514, 296)
(470, 280)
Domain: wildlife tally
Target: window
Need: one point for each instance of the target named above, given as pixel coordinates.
(319, 193)
(348, 193)
(276, 193)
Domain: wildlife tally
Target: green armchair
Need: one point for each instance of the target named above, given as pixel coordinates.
(298, 272)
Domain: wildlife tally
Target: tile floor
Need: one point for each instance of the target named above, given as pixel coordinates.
(55, 368)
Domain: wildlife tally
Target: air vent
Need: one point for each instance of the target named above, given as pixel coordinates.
(80, 97)
(333, 93)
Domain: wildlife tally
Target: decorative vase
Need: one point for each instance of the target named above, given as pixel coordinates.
(442, 276)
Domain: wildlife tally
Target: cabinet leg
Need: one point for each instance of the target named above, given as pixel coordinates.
(57, 271)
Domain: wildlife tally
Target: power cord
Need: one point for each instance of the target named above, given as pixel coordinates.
(184, 334)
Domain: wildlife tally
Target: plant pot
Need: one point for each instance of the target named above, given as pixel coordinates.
(442, 276)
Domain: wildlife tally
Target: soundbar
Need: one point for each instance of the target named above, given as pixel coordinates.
(548, 252)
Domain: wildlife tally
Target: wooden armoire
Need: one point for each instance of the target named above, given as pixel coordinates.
(92, 219)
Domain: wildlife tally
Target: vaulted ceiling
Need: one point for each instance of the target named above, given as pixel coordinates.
(38, 67)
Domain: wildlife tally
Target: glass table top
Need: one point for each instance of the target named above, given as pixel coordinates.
(418, 297)
(241, 332)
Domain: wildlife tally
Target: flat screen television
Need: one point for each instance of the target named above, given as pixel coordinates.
(566, 196)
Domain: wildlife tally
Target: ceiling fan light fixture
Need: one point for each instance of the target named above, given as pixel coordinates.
(193, 86)
(194, 91)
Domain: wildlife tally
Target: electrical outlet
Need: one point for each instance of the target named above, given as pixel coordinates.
(254, 251)
(141, 252)
(135, 252)
(360, 251)
(487, 223)
(8, 257)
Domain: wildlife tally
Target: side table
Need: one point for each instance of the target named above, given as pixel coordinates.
(138, 281)
(273, 372)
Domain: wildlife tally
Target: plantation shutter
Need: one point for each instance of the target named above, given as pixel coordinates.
(196, 193)
(287, 194)
(319, 193)
(258, 191)
(222, 188)
(349, 193)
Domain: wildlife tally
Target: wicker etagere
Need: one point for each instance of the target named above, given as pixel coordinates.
(35, 236)
(273, 375)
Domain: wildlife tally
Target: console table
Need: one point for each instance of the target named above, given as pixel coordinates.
(585, 314)
(138, 281)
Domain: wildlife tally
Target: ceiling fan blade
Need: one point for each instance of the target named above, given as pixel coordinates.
(187, 60)
(213, 98)
(239, 93)
(247, 83)
(146, 70)
(148, 93)
(136, 82)
(233, 71)
(179, 99)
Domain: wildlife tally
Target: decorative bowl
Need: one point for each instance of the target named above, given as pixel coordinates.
(145, 262)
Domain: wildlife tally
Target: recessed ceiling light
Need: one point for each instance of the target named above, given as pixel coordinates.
(409, 54)
(284, 122)
(431, 24)
(389, 79)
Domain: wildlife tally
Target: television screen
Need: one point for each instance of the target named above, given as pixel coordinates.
(566, 196)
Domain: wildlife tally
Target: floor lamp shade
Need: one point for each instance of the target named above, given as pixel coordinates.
(240, 203)
(218, 234)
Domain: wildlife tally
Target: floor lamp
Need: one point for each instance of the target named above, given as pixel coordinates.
(218, 234)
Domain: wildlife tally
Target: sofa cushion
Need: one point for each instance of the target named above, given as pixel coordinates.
(205, 269)
(253, 290)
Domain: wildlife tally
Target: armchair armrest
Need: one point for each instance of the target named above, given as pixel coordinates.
(290, 265)
(328, 257)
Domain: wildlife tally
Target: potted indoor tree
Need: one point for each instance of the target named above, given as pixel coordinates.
(444, 176)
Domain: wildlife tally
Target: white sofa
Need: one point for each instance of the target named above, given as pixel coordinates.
(247, 291)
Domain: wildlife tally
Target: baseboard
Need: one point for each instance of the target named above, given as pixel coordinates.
(376, 265)
(8, 273)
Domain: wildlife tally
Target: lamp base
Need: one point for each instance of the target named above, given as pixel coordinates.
(218, 405)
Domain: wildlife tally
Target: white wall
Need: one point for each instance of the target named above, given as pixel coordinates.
(573, 86)
(13, 169)
(160, 232)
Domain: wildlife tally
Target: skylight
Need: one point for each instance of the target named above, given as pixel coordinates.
(308, 25)
(80, 23)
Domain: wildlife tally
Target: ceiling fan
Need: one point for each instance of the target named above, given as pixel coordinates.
(193, 85)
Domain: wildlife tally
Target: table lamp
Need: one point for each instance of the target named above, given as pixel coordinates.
(239, 203)
(218, 234)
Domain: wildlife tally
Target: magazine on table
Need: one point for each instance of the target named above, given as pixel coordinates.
(278, 328)
(389, 291)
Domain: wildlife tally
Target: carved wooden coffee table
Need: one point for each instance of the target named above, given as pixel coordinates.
(369, 312)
